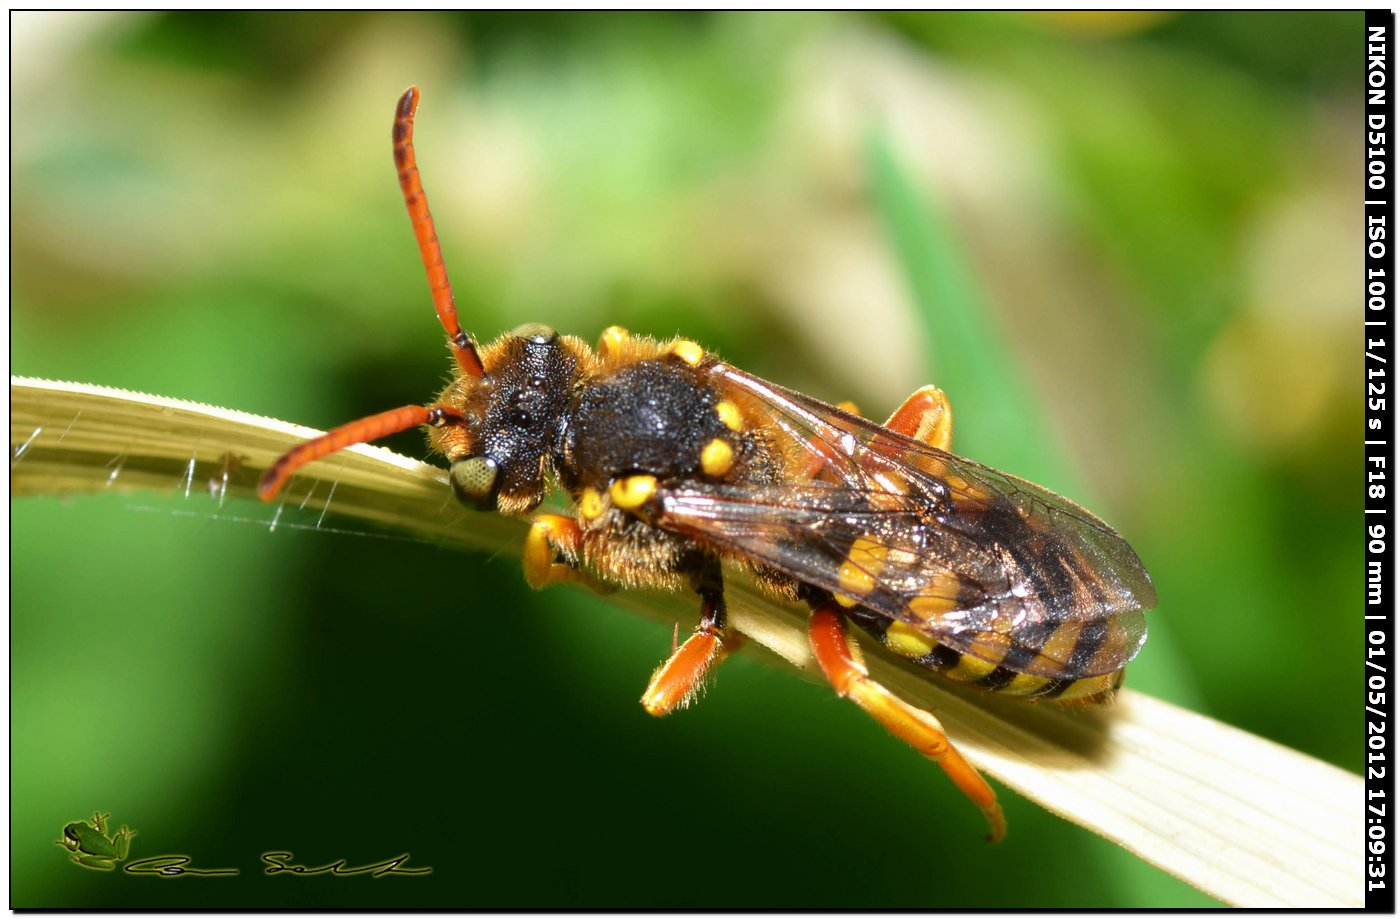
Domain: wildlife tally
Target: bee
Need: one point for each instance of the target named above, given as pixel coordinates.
(679, 464)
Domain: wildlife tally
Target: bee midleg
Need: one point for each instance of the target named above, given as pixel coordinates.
(679, 680)
(926, 416)
(550, 536)
(914, 726)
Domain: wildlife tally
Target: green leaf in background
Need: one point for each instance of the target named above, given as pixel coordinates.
(995, 415)
(996, 419)
(1151, 259)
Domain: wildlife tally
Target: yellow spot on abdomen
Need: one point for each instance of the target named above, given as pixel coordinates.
(990, 646)
(969, 669)
(717, 458)
(1024, 684)
(939, 597)
(1060, 645)
(632, 492)
(1083, 689)
(902, 638)
(863, 564)
(901, 558)
(927, 608)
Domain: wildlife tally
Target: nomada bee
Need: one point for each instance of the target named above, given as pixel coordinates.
(678, 463)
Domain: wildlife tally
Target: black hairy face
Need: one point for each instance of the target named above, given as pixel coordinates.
(527, 390)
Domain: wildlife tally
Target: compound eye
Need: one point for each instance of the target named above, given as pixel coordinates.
(474, 481)
(536, 333)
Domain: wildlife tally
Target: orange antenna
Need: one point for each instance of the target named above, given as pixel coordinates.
(356, 432)
(463, 347)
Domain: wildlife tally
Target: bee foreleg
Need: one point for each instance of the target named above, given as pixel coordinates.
(914, 726)
(925, 416)
(679, 680)
(550, 536)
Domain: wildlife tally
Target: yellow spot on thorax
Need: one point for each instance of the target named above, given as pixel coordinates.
(611, 341)
(728, 413)
(717, 458)
(590, 503)
(687, 350)
(633, 491)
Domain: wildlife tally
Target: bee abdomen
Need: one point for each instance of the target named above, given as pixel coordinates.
(918, 647)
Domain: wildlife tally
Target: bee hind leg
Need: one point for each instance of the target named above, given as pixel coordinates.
(678, 681)
(914, 726)
(925, 416)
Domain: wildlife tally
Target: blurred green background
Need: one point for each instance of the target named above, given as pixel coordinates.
(1158, 212)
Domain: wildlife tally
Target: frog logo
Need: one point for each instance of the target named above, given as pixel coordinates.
(90, 845)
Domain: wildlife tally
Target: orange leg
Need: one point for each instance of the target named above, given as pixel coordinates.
(914, 726)
(551, 535)
(925, 416)
(677, 682)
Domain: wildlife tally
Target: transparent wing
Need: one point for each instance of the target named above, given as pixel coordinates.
(983, 562)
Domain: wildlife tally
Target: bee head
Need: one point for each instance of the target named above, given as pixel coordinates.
(502, 413)
(511, 416)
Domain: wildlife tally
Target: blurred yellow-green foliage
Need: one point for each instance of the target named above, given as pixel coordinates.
(1157, 211)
